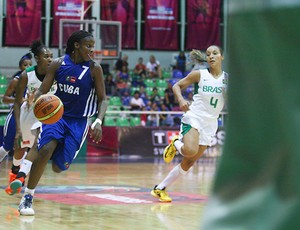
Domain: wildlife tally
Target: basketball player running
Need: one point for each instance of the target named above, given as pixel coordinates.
(9, 130)
(27, 126)
(82, 91)
(199, 123)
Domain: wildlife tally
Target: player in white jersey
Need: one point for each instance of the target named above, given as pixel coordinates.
(200, 121)
(27, 126)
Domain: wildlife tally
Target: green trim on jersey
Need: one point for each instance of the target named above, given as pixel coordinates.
(30, 68)
(185, 128)
(196, 87)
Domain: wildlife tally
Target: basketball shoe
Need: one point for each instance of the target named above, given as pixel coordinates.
(12, 178)
(170, 151)
(25, 206)
(161, 194)
(16, 185)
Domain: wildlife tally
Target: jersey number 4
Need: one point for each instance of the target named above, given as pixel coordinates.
(213, 102)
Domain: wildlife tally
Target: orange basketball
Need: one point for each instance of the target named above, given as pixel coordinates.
(48, 109)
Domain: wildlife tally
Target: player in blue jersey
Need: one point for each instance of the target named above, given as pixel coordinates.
(80, 86)
(9, 130)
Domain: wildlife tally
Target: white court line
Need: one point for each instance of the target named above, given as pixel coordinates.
(122, 199)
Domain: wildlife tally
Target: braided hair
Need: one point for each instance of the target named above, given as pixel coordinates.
(37, 47)
(77, 36)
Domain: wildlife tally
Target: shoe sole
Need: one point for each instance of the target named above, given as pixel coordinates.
(171, 145)
(15, 185)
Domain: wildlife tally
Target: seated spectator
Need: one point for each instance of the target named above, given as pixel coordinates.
(152, 118)
(181, 62)
(121, 86)
(165, 119)
(153, 68)
(120, 63)
(155, 96)
(124, 75)
(169, 99)
(126, 98)
(110, 85)
(143, 94)
(136, 102)
(140, 68)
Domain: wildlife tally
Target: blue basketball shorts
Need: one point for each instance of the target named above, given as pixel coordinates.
(9, 131)
(70, 134)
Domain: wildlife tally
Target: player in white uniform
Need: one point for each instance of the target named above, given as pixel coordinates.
(200, 121)
(27, 126)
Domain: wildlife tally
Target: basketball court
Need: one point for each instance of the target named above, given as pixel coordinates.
(111, 193)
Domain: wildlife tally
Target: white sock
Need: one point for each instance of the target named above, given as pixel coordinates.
(173, 175)
(178, 144)
(25, 166)
(16, 162)
(25, 154)
(3, 153)
(29, 191)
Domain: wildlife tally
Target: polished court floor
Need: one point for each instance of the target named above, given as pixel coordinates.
(110, 193)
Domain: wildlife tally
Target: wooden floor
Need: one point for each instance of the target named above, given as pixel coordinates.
(111, 194)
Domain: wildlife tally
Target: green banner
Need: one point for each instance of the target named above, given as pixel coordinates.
(257, 184)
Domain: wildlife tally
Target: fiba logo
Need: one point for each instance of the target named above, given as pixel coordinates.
(162, 138)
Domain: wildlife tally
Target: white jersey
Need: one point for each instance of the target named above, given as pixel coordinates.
(28, 122)
(208, 99)
(208, 102)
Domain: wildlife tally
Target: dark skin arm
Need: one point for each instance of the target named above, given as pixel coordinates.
(97, 74)
(8, 97)
(20, 88)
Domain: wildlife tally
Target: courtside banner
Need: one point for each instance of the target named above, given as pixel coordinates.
(151, 141)
(203, 18)
(107, 147)
(70, 9)
(23, 22)
(161, 31)
(124, 12)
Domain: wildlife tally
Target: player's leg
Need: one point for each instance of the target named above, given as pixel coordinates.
(37, 170)
(16, 185)
(191, 140)
(9, 133)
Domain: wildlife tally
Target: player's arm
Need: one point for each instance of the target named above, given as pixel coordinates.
(8, 97)
(49, 78)
(191, 78)
(97, 75)
(20, 88)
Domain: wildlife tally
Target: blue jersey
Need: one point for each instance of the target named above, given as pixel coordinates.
(76, 89)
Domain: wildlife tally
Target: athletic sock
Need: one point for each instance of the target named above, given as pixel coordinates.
(178, 144)
(25, 168)
(29, 191)
(16, 162)
(173, 175)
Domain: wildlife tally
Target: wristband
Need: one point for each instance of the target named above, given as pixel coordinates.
(97, 121)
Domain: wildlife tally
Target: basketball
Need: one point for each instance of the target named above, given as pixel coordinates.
(48, 109)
